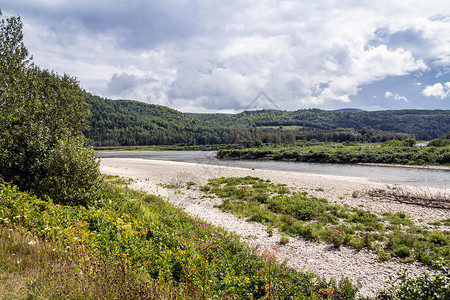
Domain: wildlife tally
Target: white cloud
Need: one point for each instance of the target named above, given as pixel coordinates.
(211, 55)
(396, 97)
(437, 90)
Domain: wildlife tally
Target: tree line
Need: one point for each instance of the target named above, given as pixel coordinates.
(423, 124)
(129, 123)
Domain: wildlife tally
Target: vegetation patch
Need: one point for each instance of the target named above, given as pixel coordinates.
(299, 214)
(404, 153)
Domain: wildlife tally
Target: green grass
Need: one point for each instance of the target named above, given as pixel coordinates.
(130, 245)
(315, 219)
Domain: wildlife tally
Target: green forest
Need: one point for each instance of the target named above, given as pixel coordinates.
(129, 123)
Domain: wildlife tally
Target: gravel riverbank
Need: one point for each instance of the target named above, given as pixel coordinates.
(359, 266)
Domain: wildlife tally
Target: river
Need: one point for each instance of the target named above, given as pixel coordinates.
(421, 177)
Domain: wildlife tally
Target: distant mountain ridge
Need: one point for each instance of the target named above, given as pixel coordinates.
(349, 110)
(126, 122)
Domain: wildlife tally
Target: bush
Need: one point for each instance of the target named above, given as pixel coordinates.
(73, 176)
(409, 142)
(434, 286)
(438, 238)
(337, 237)
(439, 143)
(402, 251)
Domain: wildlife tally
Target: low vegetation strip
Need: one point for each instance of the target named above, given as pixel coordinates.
(338, 153)
(134, 245)
(298, 214)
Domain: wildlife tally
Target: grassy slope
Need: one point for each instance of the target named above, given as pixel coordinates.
(133, 245)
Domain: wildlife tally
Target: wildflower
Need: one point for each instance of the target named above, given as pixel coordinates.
(62, 286)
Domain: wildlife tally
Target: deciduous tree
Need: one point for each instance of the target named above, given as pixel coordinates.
(42, 116)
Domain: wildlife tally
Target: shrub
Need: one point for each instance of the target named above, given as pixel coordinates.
(337, 237)
(409, 142)
(438, 238)
(383, 255)
(311, 231)
(269, 230)
(73, 176)
(261, 197)
(428, 286)
(284, 239)
(402, 251)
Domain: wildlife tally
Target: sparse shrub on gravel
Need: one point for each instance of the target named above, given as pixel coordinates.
(315, 219)
(428, 286)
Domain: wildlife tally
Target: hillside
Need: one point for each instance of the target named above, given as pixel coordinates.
(424, 124)
(126, 123)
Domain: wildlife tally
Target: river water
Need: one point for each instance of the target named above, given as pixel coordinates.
(421, 177)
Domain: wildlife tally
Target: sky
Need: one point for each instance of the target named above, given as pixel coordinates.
(230, 56)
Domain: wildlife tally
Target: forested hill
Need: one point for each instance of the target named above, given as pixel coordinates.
(126, 122)
(424, 124)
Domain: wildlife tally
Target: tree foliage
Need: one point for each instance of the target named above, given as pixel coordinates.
(42, 116)
(392, 152)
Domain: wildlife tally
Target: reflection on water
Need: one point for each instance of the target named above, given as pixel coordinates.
(391, 175)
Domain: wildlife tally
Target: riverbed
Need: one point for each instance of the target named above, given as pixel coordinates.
(412, 176)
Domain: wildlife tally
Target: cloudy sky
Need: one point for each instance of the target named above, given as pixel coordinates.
(218, 56)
